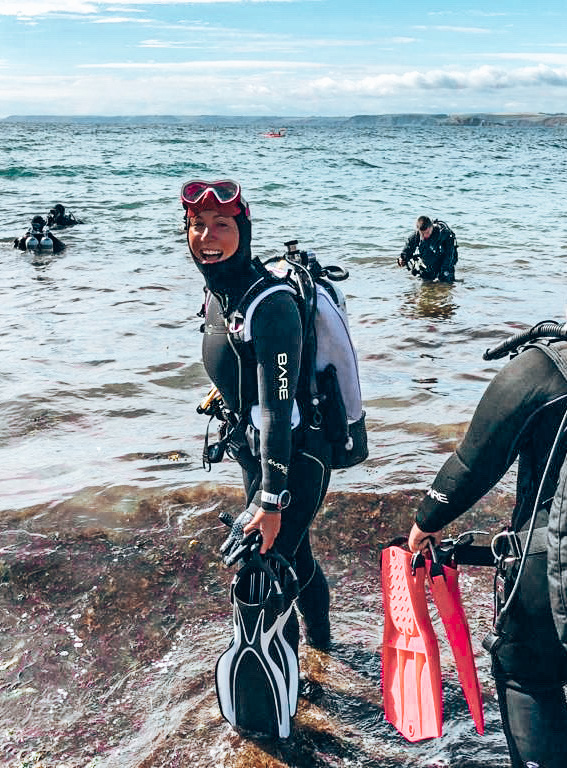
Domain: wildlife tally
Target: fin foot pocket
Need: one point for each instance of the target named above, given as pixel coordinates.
(257, 677)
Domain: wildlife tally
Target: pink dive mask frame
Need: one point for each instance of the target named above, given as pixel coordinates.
(223, 196)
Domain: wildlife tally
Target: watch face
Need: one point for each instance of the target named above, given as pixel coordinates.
(284, 499)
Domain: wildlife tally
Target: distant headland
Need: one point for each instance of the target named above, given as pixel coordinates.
(401, 119)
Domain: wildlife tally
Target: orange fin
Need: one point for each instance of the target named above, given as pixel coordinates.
(411, 671)
(447, 598)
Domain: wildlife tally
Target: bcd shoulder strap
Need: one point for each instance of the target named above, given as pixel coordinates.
(240, 322)
(555, 350)
(444, 227)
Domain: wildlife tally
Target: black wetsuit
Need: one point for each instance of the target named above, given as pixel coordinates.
(58, 218)
(62, 221)
(264, 371)
(518, 416)
(434, 257)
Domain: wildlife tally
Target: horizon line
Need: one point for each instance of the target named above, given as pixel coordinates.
(286, 116)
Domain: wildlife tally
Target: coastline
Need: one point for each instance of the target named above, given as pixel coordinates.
(396, 119)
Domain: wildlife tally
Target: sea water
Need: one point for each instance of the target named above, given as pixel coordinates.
(114, 603)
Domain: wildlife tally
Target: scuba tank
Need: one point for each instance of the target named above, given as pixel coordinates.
(35, 233)
(46, 243)
(32, 242)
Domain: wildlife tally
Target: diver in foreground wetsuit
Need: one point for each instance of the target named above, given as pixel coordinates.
(519, 415)
(285, 470)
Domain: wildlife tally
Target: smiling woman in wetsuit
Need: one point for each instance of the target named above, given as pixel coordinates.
(252, 347)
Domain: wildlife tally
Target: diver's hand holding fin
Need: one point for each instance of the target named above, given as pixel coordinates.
(421, 540)
(249, 546)
(237, 545)
(268, 524)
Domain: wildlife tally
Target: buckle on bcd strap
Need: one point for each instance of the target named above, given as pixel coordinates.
(506, 548)
(236, 323)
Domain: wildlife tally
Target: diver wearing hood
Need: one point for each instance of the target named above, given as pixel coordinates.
(229, 282)
(58, 218)
(285, 473)
(39, 238)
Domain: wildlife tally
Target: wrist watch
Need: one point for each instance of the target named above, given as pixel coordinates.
(275, 502)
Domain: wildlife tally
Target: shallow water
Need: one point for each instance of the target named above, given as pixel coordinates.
(102, 340)
(113, 601)
(110, 638)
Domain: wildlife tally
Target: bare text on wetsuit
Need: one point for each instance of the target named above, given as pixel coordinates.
(283, 392)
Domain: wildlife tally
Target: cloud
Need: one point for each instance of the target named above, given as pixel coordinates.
(480, 79)
(256, 43)
(446, 28)
(230, 65)
(122, 20)
(276, 87)
(163, 44)
(206, 2)
(29, 9)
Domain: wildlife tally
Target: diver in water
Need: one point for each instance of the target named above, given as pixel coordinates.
(39, 238)
(431, 251)
(521, 415)
(58, 218)
(285, 467)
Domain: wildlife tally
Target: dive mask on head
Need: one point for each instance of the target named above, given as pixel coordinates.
(224, 196)
(229, 278)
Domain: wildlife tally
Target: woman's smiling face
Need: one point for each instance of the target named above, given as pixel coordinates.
(212, 237)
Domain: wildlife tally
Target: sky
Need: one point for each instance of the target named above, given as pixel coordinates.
(281, 57)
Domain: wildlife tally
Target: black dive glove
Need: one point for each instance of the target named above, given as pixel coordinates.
(238, 545)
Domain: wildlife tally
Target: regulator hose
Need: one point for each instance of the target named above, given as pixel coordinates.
(547, 328)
